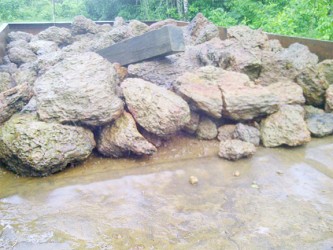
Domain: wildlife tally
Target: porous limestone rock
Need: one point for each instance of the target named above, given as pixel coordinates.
(41, 47)
(236, 149)
(20, 55)
(82, 25)
(314, 85)
(33, 148)
(162, 23)
(60, 36)
(285, 127)
(320, 124)
(193, 124)
(226, 132)
(13, 100)
(137, 28)
(122, 137)
(19, 35)
(310, 110)
(156, 109)
(200, 30)
(248, 37)
(207, 129)
(288, 92)
(329, 99)
(79, 89)
(326, 68)
(18, 43)
(5, 81)
(247, 133)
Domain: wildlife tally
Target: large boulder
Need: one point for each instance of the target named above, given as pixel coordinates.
(248, 37)
(46, 61)
(236, 149)
(207, 129)
(41, 47)
(5, 81)
(82, 25)
(19, 35)
(200, 30)
(314, 85)
(157, 110)
(79, 89)
(248, 102)
(326, 68)
(33, 148)
(201, 90)
(13, 100)
(60, 36)
(122, 137)
(20, 55)
(329, 99)
(320, 124)
(288, 92)
(285, 127)
(18, 43)
(137, 28)
(247, 133)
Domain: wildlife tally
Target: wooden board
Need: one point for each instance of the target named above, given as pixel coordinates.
(165, 41)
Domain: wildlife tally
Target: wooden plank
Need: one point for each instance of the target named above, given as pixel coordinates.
(165, 41)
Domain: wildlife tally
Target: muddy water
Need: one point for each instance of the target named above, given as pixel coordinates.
(283, 199)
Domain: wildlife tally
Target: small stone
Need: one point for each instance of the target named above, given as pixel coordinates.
(193, 180)
(236, 173)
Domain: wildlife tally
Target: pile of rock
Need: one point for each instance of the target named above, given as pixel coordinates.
(60, 100)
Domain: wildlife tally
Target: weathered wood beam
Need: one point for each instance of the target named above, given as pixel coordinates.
(162, 42)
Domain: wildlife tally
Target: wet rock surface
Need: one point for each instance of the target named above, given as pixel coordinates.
(285, 127)
(157, 110)
(33, 148)
(236, 149)
(79, 89)
(122, 138)
(320, 124)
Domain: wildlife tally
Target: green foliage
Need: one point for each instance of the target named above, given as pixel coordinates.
(308, 18)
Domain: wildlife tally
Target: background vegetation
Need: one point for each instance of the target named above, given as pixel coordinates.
(308, 18)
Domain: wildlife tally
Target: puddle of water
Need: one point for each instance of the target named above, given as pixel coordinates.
(281, 200)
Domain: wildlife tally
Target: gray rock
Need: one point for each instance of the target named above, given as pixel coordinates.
(60, 36)
(236, 149)
(19, 35)
(309, 110)
(20, 55)
(200, 30)
(122, 137)
(248, 102)
(226, 132)
(82, 25)
(137, 28)
(201, 90)
(33, 148)
(320, 124)
(120, 33)
(13, 100)
(9, 68)
(44, 62)
(285, 127)
(18, 43)
(25, 75)
(326, 68)
(31, 107)
(79, 89)
(164, 71)
(207, 129)
(288, 92)
(314, 85)
(157, 110)
(193, 124)
(6, 81)
(329, 99)
(247, 133)
(248, 37)
(41, 47)
(118, 22)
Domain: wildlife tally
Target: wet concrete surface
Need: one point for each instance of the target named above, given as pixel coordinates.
(282, 199)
